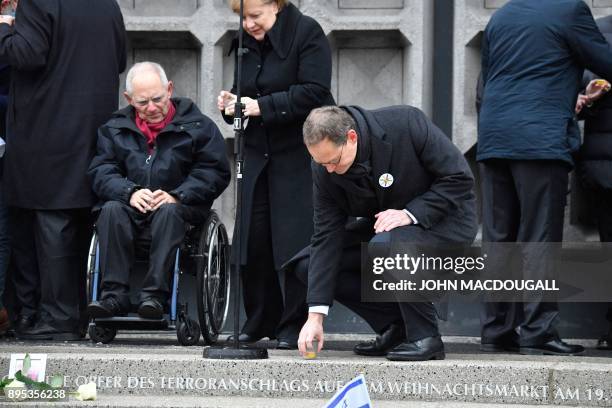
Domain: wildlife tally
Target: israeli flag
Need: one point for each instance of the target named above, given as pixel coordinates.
(353, 395)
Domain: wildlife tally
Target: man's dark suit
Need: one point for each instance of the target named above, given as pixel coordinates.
(533, 56)
(432, 181)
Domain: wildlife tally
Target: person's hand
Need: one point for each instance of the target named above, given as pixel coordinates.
(390, 219)
(160, 198)
(10, 20)
(225, 102)
(251, 106)
(596, 89)
(141, 200)
(582, 101)
(313, 329)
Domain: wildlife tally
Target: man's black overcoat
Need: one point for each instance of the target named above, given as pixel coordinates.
(431, 179)
(289, 73)
(66, 57)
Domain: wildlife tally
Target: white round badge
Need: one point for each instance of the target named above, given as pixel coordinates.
(385, 180)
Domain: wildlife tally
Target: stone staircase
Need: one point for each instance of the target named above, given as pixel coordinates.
(150, 369)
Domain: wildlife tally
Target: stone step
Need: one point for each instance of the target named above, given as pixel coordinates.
(152, 366)
(241, 402)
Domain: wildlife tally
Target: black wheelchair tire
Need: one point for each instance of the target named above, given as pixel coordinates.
(188, 337)
(211, 313)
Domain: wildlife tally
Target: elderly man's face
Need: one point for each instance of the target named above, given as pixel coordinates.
(150, 97)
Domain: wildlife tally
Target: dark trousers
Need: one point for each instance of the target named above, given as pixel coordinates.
(121, 228)
(268, 315)
(5, 247)
(522, 201)
(418, 318)
(600, 202)
(50, 261)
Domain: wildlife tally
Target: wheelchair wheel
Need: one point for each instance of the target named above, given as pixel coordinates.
(91, 266)
(103, 335)
(213, 275)
(188, 334)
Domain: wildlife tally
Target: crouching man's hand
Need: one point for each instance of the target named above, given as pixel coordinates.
(312, 330)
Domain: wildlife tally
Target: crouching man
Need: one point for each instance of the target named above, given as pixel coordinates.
(408, 182)
(160, 164)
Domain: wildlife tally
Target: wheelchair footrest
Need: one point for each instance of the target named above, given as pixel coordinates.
(132, 323)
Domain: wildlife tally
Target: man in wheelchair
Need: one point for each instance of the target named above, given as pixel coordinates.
(160, 164)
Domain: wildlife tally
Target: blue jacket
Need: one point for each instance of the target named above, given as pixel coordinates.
(533, 57)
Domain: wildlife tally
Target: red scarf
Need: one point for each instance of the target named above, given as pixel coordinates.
(151, 130)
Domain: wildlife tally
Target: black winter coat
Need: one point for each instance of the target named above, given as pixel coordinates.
(289, 73)
(432, 180)
(595, 156)
(188, 160)
(66, 57)
(533, 57)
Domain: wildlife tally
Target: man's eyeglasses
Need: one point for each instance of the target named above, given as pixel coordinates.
(145, 102)
(334, 162)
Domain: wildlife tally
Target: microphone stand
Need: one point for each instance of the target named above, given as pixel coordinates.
(237, 351)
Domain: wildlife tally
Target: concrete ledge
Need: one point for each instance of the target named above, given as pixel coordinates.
(149, 367)
(237, 402)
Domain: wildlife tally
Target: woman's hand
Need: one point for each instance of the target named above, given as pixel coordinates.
(251, 107)
(225, 102)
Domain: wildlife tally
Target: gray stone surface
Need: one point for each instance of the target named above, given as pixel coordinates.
(151, 367)
(238, 402)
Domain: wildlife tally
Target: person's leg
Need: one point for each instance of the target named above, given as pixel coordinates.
(24, 266)
(379, 315)
(168, 229)
(500, 220)
(261, 293)
(603, 214)
(61, 255)
(4, 260)
(115, 227)
(542, 199)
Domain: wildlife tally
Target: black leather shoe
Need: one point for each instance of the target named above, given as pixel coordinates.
(24, 322)
(555, 347)
(604, 343)
(151, 308)
(507, 344)
(384, 342)
(107, 307)
(287, 344)
(44, 331)
(244, 338)
(429, 348)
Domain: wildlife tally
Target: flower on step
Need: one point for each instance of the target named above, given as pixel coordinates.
(86, 392)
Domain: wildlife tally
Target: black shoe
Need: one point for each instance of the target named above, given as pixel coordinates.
(44, 331)
(24, 322)
(555, 347)
(387, 340)
(244, 338)
(429, 348)
(151, 308)
(286, 344)
(499, 346)
(107, 307)
(604, 343)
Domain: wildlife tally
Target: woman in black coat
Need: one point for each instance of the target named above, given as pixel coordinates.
(285, 74)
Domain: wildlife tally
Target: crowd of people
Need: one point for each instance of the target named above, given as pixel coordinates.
(319, 179)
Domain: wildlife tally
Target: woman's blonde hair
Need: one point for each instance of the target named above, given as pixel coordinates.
(235, 4)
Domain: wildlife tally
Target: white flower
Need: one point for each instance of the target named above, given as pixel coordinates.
(86, 392)
(16, 386)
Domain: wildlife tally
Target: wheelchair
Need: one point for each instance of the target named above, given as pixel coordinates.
(204, 254)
